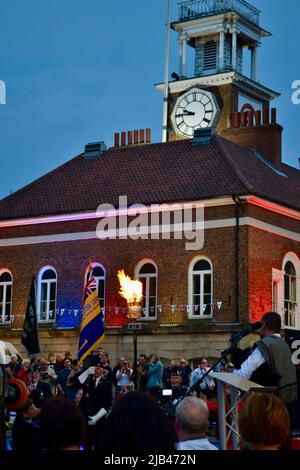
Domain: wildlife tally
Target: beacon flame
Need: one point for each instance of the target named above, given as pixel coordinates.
(131, 290)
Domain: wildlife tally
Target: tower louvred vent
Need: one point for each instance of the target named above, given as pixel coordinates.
(210, 55)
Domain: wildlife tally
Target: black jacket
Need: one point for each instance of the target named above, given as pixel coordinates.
(40, 394)
(98, 397)
(25, 435)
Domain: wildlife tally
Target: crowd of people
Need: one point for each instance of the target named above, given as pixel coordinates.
(97, 391)
(144, 406)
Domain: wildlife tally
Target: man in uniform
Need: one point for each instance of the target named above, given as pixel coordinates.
(98, 394)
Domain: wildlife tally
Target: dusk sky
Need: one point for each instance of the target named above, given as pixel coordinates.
(77, 71)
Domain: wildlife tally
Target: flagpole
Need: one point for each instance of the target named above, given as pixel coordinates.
(166, 87)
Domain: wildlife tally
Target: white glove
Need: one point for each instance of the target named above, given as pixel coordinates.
(94, 419)
(82, 377)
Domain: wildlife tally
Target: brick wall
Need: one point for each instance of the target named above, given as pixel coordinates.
(266, 251)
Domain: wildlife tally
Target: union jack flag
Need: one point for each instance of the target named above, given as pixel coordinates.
(92, 326)
(91, 285)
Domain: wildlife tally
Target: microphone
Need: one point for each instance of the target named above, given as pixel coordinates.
(236, 337)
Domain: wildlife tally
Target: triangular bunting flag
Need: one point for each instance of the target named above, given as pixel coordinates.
(75, 313)
(204, 308)
(196, 307)
(103, 310)
(159, 308)
(166, 307)
(187, 308)
(144, 311)
(219, 305)
(62, 311)
(173, 308)
(117, 310)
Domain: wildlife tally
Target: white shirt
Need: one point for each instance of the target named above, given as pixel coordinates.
(97, 379)
(255, 360)
(196, 444)
(207, 382)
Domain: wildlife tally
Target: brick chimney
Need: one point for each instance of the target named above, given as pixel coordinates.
(131, 138)
(256, 131)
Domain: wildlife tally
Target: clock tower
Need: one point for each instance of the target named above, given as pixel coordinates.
(221, 33)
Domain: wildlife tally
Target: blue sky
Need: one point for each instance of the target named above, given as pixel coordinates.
(77, 71)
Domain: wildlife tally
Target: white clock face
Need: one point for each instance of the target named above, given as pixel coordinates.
(193, 110)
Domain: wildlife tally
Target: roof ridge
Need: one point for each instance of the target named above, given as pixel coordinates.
(233, 165)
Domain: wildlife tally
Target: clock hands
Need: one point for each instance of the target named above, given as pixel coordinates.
(185, 113)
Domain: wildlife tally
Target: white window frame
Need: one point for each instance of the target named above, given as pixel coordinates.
(278, 279)
(137, 276)
(2, 304)
(95, 264)
(39, 293)
(191, 314)
(293, 258)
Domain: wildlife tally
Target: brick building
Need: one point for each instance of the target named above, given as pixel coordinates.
(222, 154)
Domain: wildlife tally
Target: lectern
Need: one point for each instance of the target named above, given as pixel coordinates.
(237, 384)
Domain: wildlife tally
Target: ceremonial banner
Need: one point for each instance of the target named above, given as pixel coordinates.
(92, 326)
(29, 335)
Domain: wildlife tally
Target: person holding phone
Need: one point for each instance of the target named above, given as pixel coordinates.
(124, 378)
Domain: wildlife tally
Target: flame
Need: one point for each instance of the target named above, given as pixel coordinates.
(131, 290)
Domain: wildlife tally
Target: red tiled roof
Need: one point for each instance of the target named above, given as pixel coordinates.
(153, 173)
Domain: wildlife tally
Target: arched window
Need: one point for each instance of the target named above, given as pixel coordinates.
(146, 272)
(47, 289)
(6, 282)
(99, 274)
(210, 55)
(290, 294)
(200, 288)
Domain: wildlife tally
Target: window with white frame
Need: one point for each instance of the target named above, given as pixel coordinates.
(290, 295)
(100, 275)
(200, 288)
(275, 296)
(147, 275)
(47, 289)
(6, 282)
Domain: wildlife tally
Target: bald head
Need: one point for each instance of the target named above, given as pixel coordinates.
(192, 415)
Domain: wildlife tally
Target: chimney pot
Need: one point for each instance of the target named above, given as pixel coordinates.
(142, 136)
(136, 136)
(273, 116)
(148, 136)
(266, 116)
(244, 119)
(258, 117)
(237, 119)
(123, 139)
(117, 139)
(129, 136)
(250, 118)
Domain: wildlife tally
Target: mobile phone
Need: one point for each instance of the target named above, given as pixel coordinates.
(167, 392)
